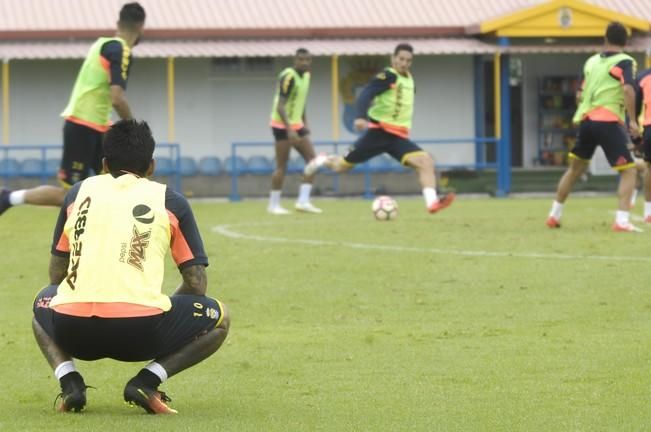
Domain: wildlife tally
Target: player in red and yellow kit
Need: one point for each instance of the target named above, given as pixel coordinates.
(607, 96)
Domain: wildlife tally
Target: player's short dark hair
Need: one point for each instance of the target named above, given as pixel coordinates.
(616, 34)
(302, 51)
(132, 14)
(403, 47)
(129, 146)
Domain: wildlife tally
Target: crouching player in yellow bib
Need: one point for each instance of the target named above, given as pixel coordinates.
(106, 272)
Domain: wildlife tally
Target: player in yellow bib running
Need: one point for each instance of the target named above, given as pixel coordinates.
(606, 97)
(385, 111)
(100, 87)
(105, 296)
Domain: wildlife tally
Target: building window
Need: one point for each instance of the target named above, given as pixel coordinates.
(226, 65)
(240, 66)
(259, 64)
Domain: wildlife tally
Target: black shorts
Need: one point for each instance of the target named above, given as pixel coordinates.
(646, 143)
(82, 151)
(611, 136)
(376, 141)
(129, 339)
(281, 134)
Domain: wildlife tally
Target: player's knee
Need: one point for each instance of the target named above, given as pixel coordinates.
(308, 156)
(422, 161)
(280, 170)
(225, 322)
(577, 167)
(629, 172)
(341, 166)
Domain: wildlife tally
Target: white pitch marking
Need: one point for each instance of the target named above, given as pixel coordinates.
(227, 231)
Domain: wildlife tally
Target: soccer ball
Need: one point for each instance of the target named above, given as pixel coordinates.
(385, 208)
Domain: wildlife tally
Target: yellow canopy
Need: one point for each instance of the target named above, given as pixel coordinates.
(560, 18)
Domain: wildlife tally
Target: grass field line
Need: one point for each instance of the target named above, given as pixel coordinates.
(232, 231)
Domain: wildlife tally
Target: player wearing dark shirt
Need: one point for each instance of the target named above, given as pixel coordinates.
(606, 98)
(99, 89)
(105, 296)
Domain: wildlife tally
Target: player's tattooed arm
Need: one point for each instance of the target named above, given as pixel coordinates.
(194, 282)
(58, 269)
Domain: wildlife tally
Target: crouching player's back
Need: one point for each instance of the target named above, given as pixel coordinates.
(106, 273)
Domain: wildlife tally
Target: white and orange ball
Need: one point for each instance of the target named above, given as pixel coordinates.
(385, 208)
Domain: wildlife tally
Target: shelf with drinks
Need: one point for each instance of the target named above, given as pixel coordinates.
(565, 102)
(556, 133)
(556, 120)
(557, 111)
(559, 84)
(555, 148)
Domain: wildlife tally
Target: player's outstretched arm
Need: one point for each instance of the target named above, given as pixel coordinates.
(195, 281)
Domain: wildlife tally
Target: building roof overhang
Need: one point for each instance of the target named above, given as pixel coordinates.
(558, 18)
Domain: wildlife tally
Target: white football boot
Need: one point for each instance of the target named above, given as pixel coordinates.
(307, 208)
(313, 166)
(278, 211)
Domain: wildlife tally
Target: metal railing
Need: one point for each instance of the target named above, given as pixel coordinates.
(10, 166)
(366, 167)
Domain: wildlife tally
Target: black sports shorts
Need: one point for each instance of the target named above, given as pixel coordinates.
(281, 134)
(376, 141)
(646, 143)
(82, 151)
(611, 136)
(129, 339)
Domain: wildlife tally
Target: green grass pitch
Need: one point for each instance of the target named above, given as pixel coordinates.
(475, 319)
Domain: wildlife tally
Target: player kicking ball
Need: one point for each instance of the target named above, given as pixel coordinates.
(385, 111)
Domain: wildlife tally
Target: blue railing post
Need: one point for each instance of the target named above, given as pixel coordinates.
(335, 177)
(43, 160)
(235, 196)
(504, 146)
(5, 177)
(177, 175)
(173, 150)
(368, 193)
